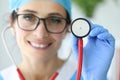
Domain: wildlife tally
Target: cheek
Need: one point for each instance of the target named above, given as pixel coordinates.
(19, 33)
(59, 38)
(20, 37)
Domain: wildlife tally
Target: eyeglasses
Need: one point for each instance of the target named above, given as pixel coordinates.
(30, 22)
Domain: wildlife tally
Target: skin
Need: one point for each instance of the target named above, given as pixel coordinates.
(39, 63)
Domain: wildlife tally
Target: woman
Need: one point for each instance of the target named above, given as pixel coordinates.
(40, 27)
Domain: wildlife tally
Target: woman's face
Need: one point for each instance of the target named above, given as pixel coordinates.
(39, 44)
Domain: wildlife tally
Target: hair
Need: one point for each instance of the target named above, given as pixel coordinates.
(13, 16)
(68, 18)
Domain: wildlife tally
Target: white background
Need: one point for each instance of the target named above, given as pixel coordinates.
(106, 14)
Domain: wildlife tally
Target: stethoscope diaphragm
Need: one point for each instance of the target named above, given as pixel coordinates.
(80, 27)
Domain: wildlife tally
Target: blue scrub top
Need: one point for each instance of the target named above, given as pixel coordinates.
(1, 77)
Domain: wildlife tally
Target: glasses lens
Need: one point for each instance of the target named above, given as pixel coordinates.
(27, 21)
(55, 24)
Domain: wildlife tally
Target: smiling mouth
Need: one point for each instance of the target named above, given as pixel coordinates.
(40, 45)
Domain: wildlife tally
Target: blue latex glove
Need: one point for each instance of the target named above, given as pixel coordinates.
(97, 54)
(74, 77)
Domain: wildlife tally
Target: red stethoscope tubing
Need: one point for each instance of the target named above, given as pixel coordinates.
(80, 58)
(54, 76)
(23, 78)
(20, 74)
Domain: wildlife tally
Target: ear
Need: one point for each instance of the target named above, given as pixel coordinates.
(11, 24)
(68, 28)
(13, 30)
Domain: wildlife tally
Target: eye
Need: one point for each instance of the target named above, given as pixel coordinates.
(29, 17)
(55, 20)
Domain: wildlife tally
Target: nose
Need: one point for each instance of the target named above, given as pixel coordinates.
(40, 31)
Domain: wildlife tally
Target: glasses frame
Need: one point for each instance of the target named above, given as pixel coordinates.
(43, 19)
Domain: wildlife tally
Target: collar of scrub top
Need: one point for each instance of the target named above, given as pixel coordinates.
(23, 78)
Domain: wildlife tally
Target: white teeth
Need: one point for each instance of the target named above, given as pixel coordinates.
(39, 45)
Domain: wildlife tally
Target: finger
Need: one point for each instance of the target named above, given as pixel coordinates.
(97, 30)
(107, 37)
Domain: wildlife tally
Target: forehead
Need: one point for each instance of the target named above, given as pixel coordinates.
(43, 7)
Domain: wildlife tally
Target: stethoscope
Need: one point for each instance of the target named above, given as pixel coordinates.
(80, 27)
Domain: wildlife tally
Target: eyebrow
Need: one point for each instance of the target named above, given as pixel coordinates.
(49, 14)
(31, 11)
(55, 13)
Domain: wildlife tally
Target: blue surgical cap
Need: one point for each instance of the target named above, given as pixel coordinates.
(14, 4)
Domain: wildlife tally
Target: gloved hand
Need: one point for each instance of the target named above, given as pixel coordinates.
(97, 54)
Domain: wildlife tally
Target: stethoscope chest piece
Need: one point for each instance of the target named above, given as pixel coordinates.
(80, 27)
